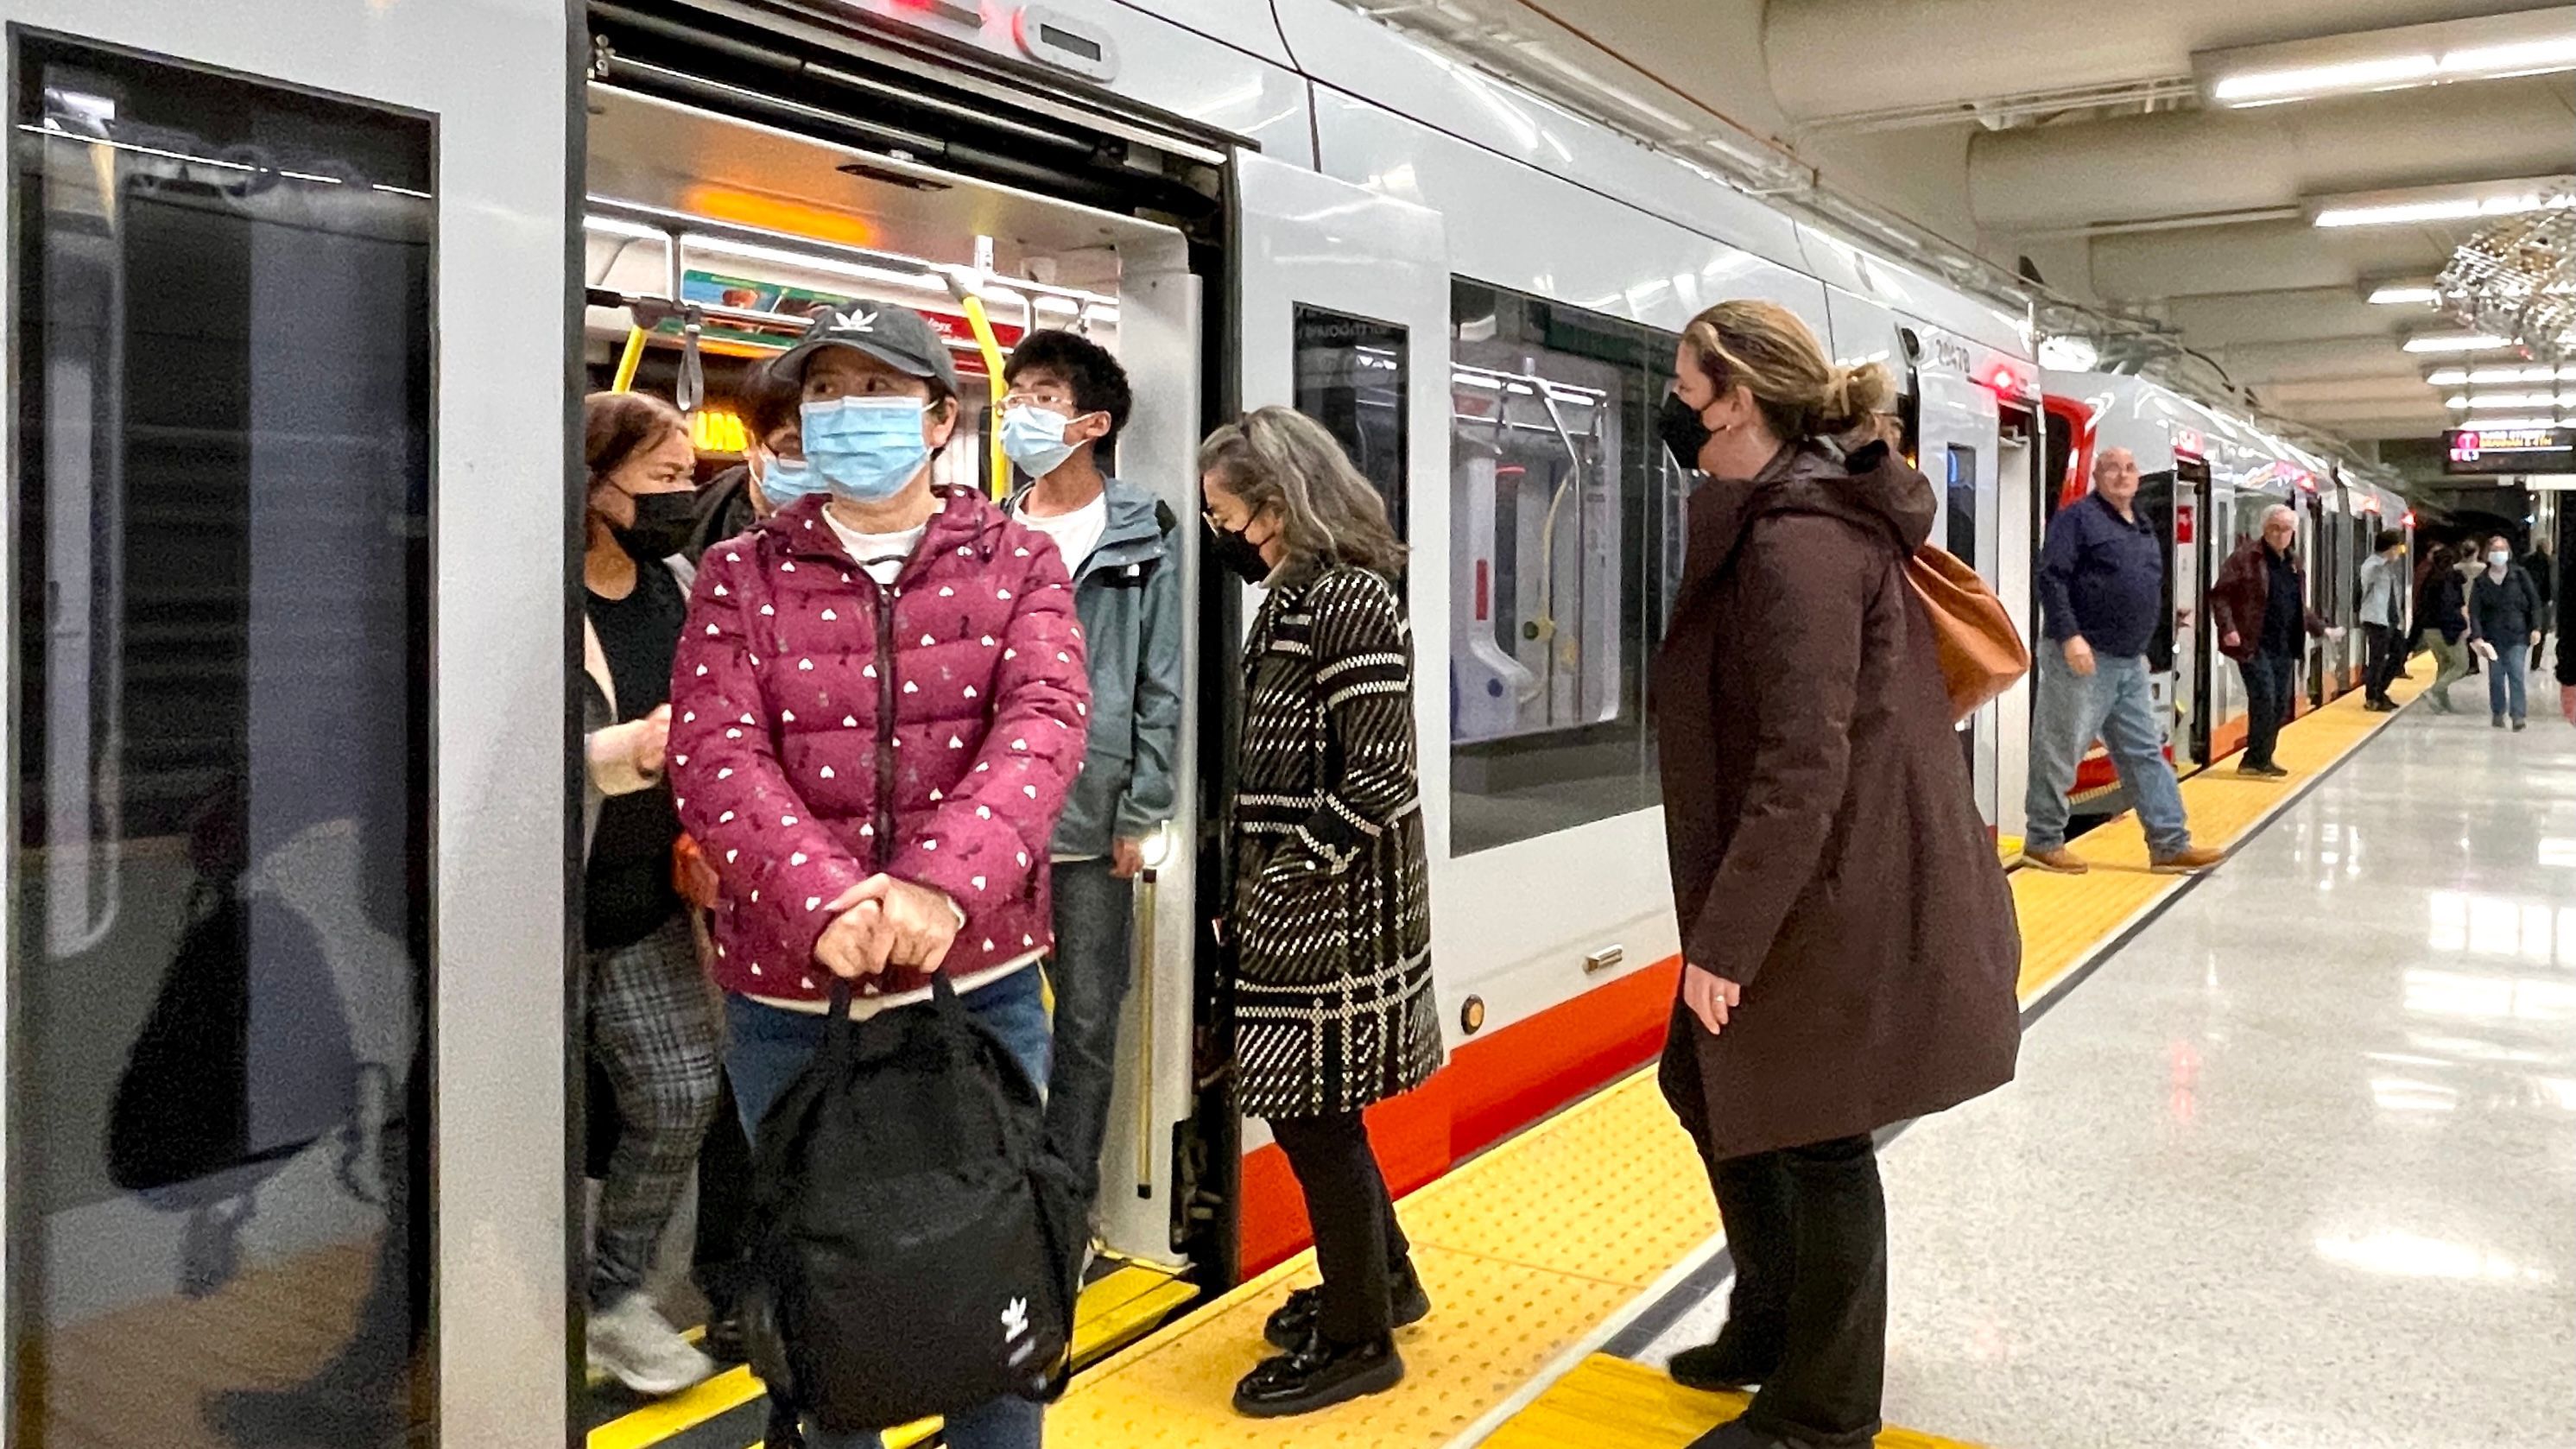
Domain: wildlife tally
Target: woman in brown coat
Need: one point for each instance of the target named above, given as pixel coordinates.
(1849, 943)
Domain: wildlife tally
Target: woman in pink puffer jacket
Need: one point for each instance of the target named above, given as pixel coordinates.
(877, 709)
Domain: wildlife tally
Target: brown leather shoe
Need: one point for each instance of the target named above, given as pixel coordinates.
(2062, 861)
(2186, 861)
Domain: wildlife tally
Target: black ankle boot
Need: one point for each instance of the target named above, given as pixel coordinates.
(1742, 1356)
(1292, 1321)
(1317, 1374)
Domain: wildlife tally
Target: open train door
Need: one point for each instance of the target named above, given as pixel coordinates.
(1342, 311)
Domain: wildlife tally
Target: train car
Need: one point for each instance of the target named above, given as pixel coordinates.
(2207, 478)
(299, 309)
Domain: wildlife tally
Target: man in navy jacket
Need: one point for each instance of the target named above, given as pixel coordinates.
(2102, 596)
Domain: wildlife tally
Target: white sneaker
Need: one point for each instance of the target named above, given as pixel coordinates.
(636, 1344)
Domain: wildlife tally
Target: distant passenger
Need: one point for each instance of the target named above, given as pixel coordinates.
(799, 634)
(773, 472)
(2102, 598)
(1331, 919)
(2505, 623)
(2259, 607)
(1067, 399)
(652, 1023)
(2564, 592)
(2442, 608)
(2381, 614)
(1848, 937)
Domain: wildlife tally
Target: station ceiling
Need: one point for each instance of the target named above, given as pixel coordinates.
(2110, 145)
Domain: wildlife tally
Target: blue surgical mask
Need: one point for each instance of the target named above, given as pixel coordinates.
(784, 480)
(2498, 558)
(1033, 437)
(865, 449)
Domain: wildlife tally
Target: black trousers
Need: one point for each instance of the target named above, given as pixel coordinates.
(2381, 666)
(2269, 678)
(1094, 959)
(1359, 1248)
(1807, 1227)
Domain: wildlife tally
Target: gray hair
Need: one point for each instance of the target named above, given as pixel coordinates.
(2102, 460)
(2279, 510)
(1277, 457)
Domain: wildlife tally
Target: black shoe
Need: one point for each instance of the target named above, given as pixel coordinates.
(2379, 706)
(1736, 1434)
(1291, 1322)
(1317, 1374)
(723, 1341)
(1739, 1359)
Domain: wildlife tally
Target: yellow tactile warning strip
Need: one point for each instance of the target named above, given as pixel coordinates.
(2065, 919)
(1117, 1308)
(1528, 1249)
(1610, 1403)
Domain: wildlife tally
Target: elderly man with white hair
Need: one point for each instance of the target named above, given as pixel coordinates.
(2102, 600)
(2260, 605)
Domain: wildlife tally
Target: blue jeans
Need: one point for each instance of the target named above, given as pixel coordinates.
(2504, 679)
(770, 1046)
(2115, 705)
(1094, 916)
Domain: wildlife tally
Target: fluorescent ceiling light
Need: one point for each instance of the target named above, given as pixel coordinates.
(2523, 400)
(2403, 296)
(2507, 425)
(2456, 342)
(2483, 47)
(2351, 75)
(2454, 376)
(2443, 203)
(2451, 377)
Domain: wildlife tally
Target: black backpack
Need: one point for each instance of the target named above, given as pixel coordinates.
(913, 1246)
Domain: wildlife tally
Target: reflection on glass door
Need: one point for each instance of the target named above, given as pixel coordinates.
(219, 868)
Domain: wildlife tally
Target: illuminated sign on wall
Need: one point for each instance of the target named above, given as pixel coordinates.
(2509, 450)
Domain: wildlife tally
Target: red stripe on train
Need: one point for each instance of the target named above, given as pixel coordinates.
(1493, 1086)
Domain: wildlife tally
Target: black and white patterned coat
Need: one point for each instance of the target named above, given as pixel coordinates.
(1332, 918)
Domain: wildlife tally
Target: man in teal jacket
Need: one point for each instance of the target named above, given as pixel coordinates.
(1066, 400)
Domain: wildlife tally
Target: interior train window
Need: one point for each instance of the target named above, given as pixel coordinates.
(1962, 499)
(1565, 538)
(1351, 378)
(221, 333)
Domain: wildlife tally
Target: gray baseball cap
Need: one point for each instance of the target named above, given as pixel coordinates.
(897, 336)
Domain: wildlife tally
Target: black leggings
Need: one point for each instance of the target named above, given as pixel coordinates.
(1359, 1248)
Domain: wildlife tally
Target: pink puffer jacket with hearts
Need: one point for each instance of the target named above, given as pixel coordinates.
(824, 728)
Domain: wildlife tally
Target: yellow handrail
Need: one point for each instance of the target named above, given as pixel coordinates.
(991, 347)
(629, 360)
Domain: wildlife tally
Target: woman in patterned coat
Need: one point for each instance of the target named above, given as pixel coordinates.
(1332, 910)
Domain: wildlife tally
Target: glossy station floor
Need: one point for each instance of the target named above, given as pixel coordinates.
(2296, 1168)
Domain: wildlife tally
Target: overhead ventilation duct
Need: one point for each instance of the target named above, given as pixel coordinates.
(2221, 165)
(1834, 58)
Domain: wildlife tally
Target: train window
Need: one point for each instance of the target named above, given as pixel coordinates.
(1565, 529)
(1351, 378)
(1961, 496)
(221, 333)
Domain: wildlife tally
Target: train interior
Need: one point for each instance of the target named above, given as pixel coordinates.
(707, 239)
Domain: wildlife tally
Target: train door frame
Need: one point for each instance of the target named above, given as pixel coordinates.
(865, 93)
(495, 81)
(2195, 519)
(1955, 416)
(1300, 241)
(2317, 547)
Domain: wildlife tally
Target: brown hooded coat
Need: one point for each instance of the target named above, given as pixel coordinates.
(1826, 850)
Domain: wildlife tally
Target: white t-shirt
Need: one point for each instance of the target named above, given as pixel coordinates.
(1076, 534)
(882, 556)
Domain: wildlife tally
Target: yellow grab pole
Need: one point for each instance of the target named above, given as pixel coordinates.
(629, 360)
(991, 347)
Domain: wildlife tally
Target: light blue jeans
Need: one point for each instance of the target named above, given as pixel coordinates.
(2115, 705)
(770, 1046)
(2505, 680)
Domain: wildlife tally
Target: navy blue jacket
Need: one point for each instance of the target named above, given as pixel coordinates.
(2102, 578)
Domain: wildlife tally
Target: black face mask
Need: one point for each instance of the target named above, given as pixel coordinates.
(1682, 431)
(663, 523)
(1238, 555)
